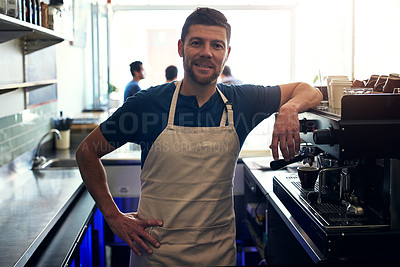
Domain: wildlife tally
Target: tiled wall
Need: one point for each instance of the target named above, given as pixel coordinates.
(21, 132)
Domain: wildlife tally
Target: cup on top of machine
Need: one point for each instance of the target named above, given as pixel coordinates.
(308, 176)
(329, 89)
(337, 88)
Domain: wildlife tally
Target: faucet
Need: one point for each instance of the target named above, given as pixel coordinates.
(37, 159)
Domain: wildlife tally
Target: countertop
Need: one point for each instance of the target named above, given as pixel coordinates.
(31, 202)
(262, 175)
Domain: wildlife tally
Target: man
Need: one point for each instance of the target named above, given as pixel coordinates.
(137, 72)
(227, 77)
(171, 73)
(190, 134)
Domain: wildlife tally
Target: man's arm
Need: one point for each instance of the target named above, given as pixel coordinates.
(129, 227)
(295, 98)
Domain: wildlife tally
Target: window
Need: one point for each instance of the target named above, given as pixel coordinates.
(261, 44)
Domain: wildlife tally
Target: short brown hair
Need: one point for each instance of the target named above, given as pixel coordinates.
(135, 66)
(206, 16)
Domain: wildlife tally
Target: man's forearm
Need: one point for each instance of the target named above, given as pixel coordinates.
(295, 98)
(95, 179)
(304, 97)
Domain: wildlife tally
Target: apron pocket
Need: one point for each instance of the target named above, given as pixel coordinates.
(178, 236)
(195, 235)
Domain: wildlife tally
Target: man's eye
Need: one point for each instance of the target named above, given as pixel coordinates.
(195, 43)
(218, 46)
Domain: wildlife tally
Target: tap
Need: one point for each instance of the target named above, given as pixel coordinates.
(37, 159)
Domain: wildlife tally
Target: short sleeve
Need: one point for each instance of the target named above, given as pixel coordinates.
(123, 125)
(251, 105)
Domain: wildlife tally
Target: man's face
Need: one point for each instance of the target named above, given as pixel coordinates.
(204, 53)
(140, 74)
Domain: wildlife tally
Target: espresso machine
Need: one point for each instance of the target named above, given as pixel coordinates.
(353, 213)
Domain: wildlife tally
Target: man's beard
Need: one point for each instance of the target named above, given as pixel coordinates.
(200, 80)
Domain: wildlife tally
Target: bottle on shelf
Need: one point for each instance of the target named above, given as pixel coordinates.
(28, 10)
(33, 13)
(38, 13)
(44, 8)
(3, 7)
(21, 9)
(12, 8)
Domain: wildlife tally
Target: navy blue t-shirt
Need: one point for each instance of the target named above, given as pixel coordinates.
(144, 116)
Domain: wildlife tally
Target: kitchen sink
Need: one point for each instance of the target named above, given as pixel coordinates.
(54, 164)
(63, 164)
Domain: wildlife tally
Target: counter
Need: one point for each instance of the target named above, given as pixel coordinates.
(261, 176)
(31, 203)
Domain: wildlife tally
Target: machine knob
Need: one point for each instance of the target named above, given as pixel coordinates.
(307, 126)
(324, 137)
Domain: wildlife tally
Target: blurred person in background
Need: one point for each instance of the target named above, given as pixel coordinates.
(138, 74)
(227, 77)
(171, 73)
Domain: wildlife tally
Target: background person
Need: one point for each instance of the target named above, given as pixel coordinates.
(137, 72)
(190, 133)
(171, 73)
(227, 77)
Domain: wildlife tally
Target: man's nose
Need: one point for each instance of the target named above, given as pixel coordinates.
(206, 51)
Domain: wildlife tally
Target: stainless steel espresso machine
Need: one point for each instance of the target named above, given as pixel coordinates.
(353, 213)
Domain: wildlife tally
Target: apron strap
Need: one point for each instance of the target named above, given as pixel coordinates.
(228, 108)
(174, 100)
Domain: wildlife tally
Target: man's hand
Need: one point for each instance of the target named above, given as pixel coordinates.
(286, 133)
(130, 228)
(295, 98)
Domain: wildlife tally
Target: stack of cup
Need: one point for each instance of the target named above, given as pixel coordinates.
(337, 87)
(329, 88)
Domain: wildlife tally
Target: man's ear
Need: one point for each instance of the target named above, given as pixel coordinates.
(227, 56)
(180, 48)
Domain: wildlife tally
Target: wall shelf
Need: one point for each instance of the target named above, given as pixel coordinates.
(28, 85)
(34, 37)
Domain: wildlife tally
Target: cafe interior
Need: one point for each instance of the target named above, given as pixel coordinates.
(64, 67)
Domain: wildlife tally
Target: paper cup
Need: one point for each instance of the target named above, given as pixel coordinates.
(329, 89)
(337, 87)
(64, 142)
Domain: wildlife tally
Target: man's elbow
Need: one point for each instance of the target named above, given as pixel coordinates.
(315, 96)
(82, 153)
(319, 95)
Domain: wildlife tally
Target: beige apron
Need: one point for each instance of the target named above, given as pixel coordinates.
(186, 181)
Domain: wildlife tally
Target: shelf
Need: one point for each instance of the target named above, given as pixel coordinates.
(34, 37)
(27, 85)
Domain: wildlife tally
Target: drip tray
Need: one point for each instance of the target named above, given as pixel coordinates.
(328, 215)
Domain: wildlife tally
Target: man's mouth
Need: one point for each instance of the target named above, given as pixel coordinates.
(202, 65)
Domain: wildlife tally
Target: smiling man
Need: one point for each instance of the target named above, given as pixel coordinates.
(190, 133)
